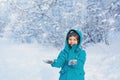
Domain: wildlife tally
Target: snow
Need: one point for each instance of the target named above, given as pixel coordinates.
(103, 60)
(111, 21)
(25, 61)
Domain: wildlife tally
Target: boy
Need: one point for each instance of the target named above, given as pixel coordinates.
(72, 58)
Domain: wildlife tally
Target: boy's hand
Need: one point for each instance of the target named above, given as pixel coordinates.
(74, 46)
(48, 61)
(72, 62)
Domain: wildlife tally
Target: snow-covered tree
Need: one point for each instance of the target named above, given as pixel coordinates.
(100, 20)
(48, 21)
(44, 21)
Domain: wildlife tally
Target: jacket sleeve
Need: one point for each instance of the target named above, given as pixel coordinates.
(82, 57)
(59, 62)
(80, 60)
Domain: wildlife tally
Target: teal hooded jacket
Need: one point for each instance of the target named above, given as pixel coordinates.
(71, 72)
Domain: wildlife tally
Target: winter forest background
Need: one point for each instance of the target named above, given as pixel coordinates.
(32, 30)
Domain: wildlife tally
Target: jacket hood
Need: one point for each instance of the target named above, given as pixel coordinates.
(67, 47)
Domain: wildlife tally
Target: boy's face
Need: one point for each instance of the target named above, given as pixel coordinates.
(72, 40)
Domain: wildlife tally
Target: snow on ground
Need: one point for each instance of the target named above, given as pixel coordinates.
(103, 61)
(25, 61)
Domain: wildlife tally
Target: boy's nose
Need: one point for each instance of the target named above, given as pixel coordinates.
(72, 43)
